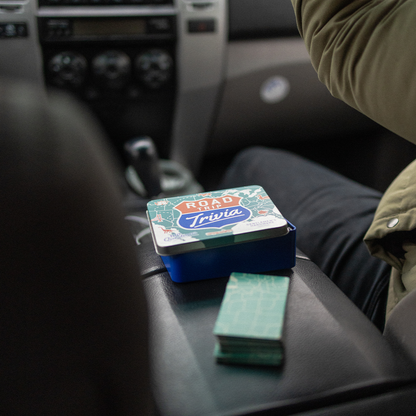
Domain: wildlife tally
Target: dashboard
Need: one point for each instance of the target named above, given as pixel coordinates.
(201, 77)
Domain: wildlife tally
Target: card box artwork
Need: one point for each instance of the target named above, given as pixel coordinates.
(213, 234)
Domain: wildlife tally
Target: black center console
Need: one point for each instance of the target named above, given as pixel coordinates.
(145, 67)
(119, 59)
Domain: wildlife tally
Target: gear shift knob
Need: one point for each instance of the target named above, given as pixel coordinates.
(142, 156)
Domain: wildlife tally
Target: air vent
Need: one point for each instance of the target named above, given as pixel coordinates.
(196, 5)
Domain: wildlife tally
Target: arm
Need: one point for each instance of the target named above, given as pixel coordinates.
(363, 52)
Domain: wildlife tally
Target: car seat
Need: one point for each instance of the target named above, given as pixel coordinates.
(73, 315)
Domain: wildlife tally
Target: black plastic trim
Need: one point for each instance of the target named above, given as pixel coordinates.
(249, 19)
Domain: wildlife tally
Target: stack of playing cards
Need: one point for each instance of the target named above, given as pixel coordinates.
(249, 326)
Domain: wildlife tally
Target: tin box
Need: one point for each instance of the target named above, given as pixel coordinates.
(208, 235)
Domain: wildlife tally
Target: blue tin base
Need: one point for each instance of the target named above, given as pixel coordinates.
(252, 257)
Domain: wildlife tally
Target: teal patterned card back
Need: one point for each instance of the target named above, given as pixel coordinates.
(253, 307)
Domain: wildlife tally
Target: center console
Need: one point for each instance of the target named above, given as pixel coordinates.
(118, 58)
(145, 67)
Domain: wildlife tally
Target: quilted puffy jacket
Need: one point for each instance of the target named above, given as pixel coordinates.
(363, 52)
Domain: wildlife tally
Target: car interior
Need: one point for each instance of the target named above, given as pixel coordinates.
(176, 88)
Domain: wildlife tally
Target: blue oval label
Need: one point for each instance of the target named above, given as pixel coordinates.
(211, 212)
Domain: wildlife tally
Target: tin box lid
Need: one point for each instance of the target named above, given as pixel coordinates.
(213, 219)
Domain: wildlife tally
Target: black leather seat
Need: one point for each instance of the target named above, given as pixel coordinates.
(73, 317)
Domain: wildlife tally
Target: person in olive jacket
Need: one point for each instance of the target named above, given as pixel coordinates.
(361, 50)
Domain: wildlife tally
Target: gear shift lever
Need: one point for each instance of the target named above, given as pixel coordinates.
(142, 156)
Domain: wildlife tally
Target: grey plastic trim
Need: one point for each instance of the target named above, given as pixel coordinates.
(105, 11)
(299, 109)
(22, 57)
(246, 57)
(201, 68)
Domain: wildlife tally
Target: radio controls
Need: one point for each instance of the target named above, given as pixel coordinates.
(67, 69)
(154, 68)
(111, 72)
(106, 29)
(112, 68)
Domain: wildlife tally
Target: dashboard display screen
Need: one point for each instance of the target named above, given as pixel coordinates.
(109, 27)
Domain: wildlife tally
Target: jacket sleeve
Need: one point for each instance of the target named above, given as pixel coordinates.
(363, 51)
(396, 214)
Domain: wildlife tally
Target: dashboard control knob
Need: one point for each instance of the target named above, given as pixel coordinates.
(112, 68)
(67, 69)
(154, 68)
